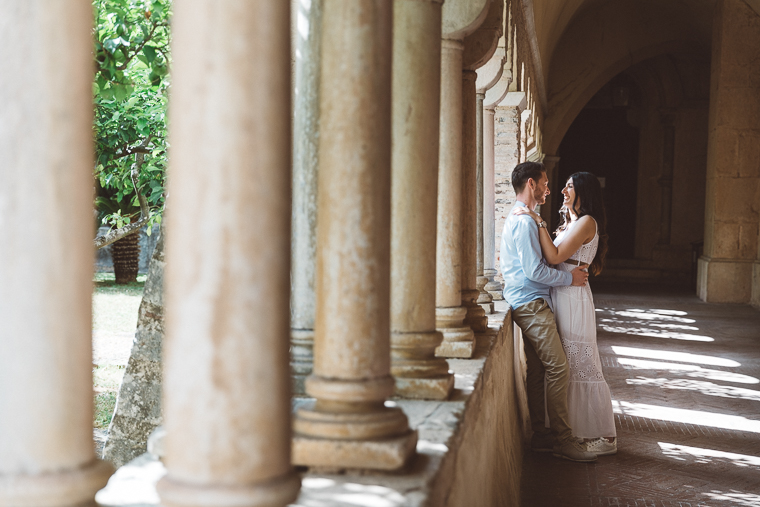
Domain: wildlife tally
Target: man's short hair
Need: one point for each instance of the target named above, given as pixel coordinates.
(525, 171)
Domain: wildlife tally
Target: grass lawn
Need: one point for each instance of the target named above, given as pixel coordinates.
(114, 319)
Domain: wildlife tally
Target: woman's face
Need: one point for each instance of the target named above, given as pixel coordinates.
(569, 195)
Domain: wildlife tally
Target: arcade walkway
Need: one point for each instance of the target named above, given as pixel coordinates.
(685, 380)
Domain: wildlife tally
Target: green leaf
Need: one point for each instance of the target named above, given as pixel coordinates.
(150, 53)
(120, 92)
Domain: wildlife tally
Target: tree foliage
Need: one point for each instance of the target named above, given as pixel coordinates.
(130, 95)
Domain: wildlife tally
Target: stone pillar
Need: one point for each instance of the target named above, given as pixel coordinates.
(667, 120)
(733, 159)
(308, 25)
(524, 121)
(226, 374)
(414, 162)
(46, 448)
(550, 209)
(490, 268)
(348, 426)
(458, 339)
(475, 317)
(484, 298)
(506, 157)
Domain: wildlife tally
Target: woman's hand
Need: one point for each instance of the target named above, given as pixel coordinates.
(522, 210)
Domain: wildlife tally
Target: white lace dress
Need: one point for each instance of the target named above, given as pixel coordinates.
(588, 396)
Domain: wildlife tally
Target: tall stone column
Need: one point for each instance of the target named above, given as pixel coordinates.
(458, 338)
(348, 426)
(667, 120)
(733, 160)
(416, 102)
(46, 451)
(226, 374)
(484, 298)
(490, 269)
(550, 209)
(307, 34)
(475, 317)
(506, 157)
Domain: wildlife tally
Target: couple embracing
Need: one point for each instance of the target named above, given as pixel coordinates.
(545, 283)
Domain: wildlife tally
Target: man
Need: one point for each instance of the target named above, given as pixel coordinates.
(527, 282)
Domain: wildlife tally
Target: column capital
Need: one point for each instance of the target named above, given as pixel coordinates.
(452, 45)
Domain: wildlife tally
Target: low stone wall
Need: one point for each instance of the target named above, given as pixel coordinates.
(469, 451)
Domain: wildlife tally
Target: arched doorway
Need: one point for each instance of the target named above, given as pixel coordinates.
(602, 140)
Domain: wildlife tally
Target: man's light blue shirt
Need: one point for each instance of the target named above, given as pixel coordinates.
(527, 277)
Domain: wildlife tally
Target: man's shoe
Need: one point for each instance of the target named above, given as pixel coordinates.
(602, 447)
(542, 442)
(574, 451)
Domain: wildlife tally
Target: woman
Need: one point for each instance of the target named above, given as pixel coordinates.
(581, 239)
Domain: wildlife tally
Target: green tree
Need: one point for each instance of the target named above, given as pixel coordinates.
(130, 96)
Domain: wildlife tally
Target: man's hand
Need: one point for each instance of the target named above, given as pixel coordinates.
(580, 275)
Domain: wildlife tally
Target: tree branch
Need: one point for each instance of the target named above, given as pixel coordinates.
(116, 234)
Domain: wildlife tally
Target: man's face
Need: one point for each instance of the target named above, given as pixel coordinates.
(541, 189)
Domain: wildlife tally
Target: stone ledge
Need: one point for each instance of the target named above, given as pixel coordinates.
(469, 450)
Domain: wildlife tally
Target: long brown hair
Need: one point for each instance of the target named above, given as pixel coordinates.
(589, 191)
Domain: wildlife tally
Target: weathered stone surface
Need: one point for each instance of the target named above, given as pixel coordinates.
(385, 454)
(138, 407)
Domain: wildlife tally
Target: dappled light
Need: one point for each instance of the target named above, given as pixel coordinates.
(667, 355)
(706, 388)
(656, 323)
(702, 455)
(736, 498)
(686, 416)
(325, 492)
(692, 370)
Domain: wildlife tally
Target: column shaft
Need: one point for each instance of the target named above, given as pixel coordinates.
(348, 426)
(46, 449)
(475, 317)
(484, 298)
(416, 102)
(490, 269)
(226, 378)
(458, 339)
(307, 37)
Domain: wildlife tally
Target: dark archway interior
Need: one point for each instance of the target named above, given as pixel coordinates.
(602, 141)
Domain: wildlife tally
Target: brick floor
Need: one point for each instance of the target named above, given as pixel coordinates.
(684, 377)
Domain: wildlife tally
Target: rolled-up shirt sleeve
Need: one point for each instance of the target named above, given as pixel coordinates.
(529, 252)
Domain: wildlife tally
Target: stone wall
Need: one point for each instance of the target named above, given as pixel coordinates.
(506, 157)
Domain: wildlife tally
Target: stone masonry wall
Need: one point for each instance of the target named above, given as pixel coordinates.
(506, 157)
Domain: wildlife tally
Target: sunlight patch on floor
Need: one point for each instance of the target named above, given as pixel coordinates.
(682, 415)
(691, 369)
(707, 388)
(683, 357)
(702, 455)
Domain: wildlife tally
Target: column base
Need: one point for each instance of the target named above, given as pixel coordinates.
(485, 300)
(67, 488)
(301, 358)
(417, 373)
(274, 493)
(476, 316)
(724, 280)
(438, 388)
(458, 338)
(495, 290)
(339, 455)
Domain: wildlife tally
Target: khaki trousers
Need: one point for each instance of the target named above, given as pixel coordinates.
(546, 360)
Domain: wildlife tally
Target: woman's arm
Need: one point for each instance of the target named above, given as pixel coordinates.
(582, 233)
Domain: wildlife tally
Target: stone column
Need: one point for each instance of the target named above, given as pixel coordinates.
(667, 120)
(475, 317)
(308, 25)
(490, 269)
(226, 374)
(416, 103)
(484, 298)
(550, 209)
(506, 157)
(348, 426)
(524, 121)
(458, 338)
(733, 159)
(46, 449)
